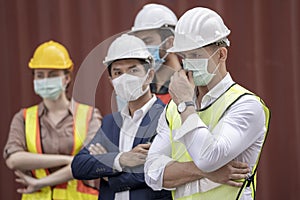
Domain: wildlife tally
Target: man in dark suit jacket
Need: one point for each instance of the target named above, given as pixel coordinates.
(118, 151)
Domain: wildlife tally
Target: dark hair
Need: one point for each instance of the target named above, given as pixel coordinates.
(146, 65)
(67, 72)
(166, 32)
(217, 44)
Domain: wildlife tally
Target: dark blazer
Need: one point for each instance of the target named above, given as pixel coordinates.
(86, 166)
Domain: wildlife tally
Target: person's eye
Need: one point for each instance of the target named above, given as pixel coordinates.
(134, 70)
(118, 73)
(39, 76)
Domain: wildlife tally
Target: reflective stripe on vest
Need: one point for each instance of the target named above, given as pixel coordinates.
(210, 116)
(73, 189)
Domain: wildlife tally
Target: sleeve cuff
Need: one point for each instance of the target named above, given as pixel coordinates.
(192, 122)
(117, 165)
(156, 170)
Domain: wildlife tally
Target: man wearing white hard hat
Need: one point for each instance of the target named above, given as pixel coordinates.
(211, 120)
(118, 151)
(155, 24)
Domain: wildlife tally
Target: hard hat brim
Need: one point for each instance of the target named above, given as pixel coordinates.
(188, 43)
(70, 67)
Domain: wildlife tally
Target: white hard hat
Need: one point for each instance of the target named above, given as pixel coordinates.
(197, 28)
(154, 16)
(127, 46)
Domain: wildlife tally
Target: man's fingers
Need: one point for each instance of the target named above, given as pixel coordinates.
(240, 170)
(97, 149)
(142, 156)
(101, 148)
(238, 176)
(237, 164)
(190, 77)
(141, 148)
(93, 149)
(234, 183)
(182, 73)
(144, 146)
(143, 151)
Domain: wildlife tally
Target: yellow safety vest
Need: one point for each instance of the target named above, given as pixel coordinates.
(211, 116)
(74, 189)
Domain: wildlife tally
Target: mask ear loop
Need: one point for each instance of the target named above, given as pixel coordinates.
(147, 75)
(145, 79)
(217, 66)
(173, 34)
(163, 42)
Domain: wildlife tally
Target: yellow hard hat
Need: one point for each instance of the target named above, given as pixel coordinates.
(51, 55)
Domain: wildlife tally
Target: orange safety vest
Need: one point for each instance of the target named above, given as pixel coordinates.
(74, 189)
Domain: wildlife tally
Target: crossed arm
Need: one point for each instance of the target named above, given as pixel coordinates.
(100, 159)
(22, 161)
(163, 172)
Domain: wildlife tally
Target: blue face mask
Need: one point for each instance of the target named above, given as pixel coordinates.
(154, 50)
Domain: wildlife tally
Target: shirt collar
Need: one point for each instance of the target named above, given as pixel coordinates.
(141, 112)
(42, 109)
(217, 91)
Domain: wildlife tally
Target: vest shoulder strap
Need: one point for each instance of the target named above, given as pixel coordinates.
(82, 117)
(211, 114)
(32, 129)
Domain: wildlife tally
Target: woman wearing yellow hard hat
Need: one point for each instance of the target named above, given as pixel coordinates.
(44, 138)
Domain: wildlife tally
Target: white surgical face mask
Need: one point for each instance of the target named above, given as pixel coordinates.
(49, 88)
(130, 87)
(121, 103)
(201, 75)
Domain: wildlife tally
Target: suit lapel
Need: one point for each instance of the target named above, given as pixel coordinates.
(147, 129)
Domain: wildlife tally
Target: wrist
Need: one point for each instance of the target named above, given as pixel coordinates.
(117, 165)
(185, 105)
(40, 183)
(68, 159)
(187, 112)
(122, 161)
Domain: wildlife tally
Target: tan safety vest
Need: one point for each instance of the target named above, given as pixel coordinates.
(74, 189)
(211, 116)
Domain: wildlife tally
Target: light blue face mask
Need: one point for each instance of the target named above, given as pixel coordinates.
(154, 50)
(49, 88)
(198, 66)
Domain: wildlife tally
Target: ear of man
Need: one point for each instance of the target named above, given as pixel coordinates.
(169, 42)
(223, 54)
(150, 76)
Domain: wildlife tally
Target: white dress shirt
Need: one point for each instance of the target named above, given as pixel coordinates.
(127, 134)
(238, 136)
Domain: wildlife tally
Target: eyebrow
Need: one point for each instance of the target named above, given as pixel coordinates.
(130, 67)
(116, 69)
(133, 66)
